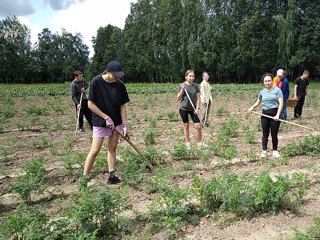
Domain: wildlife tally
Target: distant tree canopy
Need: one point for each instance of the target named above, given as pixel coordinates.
(234, 40)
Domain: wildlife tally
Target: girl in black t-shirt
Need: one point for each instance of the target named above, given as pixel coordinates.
(107, 100)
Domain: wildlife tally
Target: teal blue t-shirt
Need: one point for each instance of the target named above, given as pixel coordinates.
(270, 98)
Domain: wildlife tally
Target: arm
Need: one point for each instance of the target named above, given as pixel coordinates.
(123, 112)
(295, 90)
(180, 94)
(198, 101)
(280, 99)
(96, 110)
(256, 104)
(74, 94)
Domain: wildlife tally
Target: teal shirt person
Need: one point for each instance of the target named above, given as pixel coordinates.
(270, 98)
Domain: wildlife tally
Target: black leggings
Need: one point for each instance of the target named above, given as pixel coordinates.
(267, 124)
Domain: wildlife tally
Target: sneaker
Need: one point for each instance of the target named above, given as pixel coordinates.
(275, 154)
(81, 130)
(188, 146)
(114, 180)
(202, 144)
(263, 154)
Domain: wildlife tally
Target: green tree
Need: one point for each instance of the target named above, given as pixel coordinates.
(59, 55)
(15, 51)
(107, 46)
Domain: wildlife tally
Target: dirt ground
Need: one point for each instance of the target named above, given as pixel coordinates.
(51, 137)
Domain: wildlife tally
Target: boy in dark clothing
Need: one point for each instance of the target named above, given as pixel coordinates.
(300, 92)
(78, 86)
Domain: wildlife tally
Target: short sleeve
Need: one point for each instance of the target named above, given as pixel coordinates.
(260, 96)
(125, 96)
(279, 93)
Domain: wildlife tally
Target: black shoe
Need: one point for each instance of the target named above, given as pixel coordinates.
(114, 180)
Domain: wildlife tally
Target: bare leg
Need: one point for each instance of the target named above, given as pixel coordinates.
(112, 151)
(95, 149)
(186, 132)
(197, 126)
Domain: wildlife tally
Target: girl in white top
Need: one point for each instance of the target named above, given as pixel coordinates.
(205, 98)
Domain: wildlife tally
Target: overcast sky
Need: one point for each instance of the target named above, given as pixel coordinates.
(83, 16)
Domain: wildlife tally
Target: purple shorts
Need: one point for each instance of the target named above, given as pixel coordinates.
(101, 132)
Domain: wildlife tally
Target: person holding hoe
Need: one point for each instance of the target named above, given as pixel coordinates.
(107, 100)
(205, 98)
(271, 98)
(78, 94)
(189, 97)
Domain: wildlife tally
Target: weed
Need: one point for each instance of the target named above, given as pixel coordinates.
(41, 143)
(222, 112)
(313, 232)
(34, 110)
(68, 143)
(249, 135)
(229, 129)
(149, 136)
(308, 146)
(31, 181)
(132, 168)
(155, 157)
(252, 156)
(72, 162)
(98, 213)
(180, 152)
(8, 112)
(27, 222)
(23, 126)
(172, 116)
(172, 208)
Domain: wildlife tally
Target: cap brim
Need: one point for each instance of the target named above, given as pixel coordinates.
(118, 74)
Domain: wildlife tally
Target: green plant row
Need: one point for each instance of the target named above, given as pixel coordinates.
(244, 196)
(95, 214)
(306, 146)
(22, 90)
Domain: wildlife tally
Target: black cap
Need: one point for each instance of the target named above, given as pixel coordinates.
(115, 68)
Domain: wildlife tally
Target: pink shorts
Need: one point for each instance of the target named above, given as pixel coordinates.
(101, 132)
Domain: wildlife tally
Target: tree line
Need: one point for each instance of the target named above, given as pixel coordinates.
(234, 40)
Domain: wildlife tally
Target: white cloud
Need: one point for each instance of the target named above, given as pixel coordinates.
(88, 16)
(34, 30)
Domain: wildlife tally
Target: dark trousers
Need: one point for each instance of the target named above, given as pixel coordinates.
(267, 125)
(84, 111)
(299, 106)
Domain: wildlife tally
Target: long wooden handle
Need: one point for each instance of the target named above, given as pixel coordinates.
(281, 120)
(137, 150)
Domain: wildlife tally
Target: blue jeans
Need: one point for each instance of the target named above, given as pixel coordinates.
(283, 114)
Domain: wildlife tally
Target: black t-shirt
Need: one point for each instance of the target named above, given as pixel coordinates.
(108, 97)
(302, 86)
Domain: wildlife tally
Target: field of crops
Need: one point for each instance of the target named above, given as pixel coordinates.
(224, 191)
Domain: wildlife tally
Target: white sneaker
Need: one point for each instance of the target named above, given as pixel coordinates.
(188, 146)
(202, 144)
(275, 154)
(263, 154)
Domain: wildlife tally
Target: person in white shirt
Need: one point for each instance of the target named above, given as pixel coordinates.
(205, 98)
